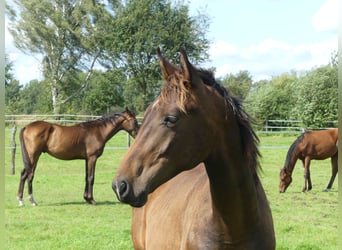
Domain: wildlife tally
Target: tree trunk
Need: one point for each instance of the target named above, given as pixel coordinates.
(54, 94)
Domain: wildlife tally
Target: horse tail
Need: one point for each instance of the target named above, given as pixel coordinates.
(24, 152)
(292, 150)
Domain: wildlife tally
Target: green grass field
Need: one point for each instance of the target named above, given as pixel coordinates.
(62, 220)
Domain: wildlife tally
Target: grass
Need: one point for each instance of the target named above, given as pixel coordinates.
(62, 220)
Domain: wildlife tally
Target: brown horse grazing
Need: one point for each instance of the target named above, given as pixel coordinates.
(311, 145)
(82, 141)
(191, 174)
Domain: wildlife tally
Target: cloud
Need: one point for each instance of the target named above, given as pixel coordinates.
(326, 18)
(221, 47)
(270, 57)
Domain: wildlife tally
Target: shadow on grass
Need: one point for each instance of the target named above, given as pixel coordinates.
(333, 190)
(83, 203)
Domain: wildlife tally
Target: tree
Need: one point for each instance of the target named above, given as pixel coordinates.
(12, 88)
(139, 27)
(317, 97)
(272, 100)
(238, 84)
(105, 94)
(64, 33)
(34, 98)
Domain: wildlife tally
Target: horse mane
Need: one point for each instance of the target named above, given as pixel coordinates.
(102, 121)
(293, 148)
(250, 140)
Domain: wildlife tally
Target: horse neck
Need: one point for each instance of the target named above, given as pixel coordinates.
(112, 126)
(233, 188)
(291, 158)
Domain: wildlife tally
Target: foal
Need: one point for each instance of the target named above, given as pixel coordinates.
(82, 141)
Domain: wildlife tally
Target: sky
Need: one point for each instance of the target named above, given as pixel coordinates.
(265, 37)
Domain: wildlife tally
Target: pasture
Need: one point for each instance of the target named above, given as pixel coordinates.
(63, 220)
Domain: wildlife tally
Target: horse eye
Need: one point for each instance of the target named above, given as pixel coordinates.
(170, 121)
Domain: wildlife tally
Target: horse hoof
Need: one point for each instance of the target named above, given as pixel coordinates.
(326, 190)
(91, 202)
(20, 202)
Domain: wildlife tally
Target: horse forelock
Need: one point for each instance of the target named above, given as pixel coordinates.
(176, 84)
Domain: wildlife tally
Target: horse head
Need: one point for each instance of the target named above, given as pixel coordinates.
(130, 123)
(285, 180)
(175, 135)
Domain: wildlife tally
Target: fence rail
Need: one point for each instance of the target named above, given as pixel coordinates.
(289, 126)
(61, 118)
(14, 121)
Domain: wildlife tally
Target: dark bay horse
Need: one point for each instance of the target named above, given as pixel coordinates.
(311, 145)
(82, 141)
(191, 173)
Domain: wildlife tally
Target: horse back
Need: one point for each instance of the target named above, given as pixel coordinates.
(320, 144)
(62, 142)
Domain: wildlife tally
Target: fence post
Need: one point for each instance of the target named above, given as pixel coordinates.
(128, 140)
(14, 148)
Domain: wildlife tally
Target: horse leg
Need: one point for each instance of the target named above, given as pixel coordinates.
(29, 185)
(309, 180)
(30, 189)
(89, 180)
(307, 177)
(23, 177)
(334, 169)
(27, 174)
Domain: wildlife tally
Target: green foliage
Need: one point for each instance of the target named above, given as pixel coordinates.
(61, 32)
(316, 97)
(35, 98)
(310, 98)
(239, 84)
(139, 27)
(74, 36)
(272, 100)
(104, 93)
(12, 89)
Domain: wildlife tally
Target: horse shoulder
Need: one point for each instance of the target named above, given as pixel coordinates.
(174, 212)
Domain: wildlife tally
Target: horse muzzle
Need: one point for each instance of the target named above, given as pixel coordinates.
(125, 193)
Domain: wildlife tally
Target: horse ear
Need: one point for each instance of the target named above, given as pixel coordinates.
(188, 70)
(166, 67)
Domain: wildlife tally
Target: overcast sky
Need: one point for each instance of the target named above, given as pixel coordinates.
(265, 37)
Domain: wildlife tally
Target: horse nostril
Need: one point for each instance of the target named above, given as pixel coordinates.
(121, 188)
